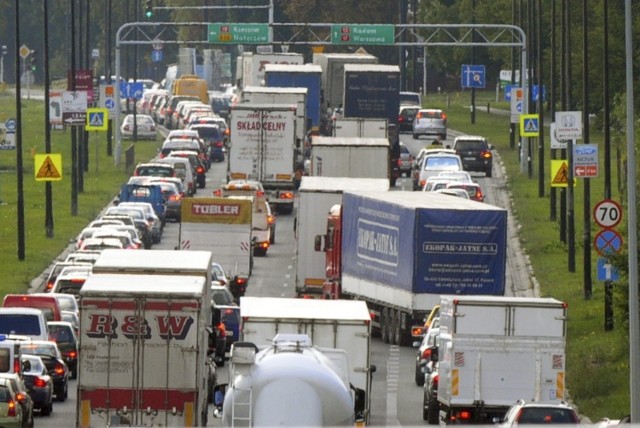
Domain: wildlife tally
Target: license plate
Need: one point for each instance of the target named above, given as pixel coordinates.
(469, 159)
(228, 333)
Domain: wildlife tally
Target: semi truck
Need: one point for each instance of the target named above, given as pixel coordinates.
(274, 95)
(143, 350)
(336, 324)
(350, 157)
(262, 147)
(222, 226)
(493, 349)
(399, 252)
(253, 65)
(372, 90)
(299, 76)
(290, 383)
(332, 65)
(316, 196)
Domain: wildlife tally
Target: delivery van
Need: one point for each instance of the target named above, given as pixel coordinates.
(191, 85)
(47, 303)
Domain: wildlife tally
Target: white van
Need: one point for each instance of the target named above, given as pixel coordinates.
(183, 170)
(29, 322)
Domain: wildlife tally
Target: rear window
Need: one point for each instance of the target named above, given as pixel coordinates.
(22, 324)
(470, 145)
(5, 360)
(209, 132)
(156, 171)
(69, 286)
(60, 334)
(5, 395)
(447, 163)
(535, 415)
(430, 114)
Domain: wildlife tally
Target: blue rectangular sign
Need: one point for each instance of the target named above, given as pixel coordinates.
(472, 76)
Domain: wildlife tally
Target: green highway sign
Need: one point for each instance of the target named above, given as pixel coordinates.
(359, 34)
(223, 32)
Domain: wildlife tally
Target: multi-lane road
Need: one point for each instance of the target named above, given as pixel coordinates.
(396, 400)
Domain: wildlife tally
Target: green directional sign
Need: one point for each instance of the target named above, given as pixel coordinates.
(224, 32)
(362, 34)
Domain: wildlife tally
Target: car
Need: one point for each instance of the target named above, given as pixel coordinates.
(57, 268)
(406, 116)
(148, 214)
(131, 231)
(411, 98)
(172, 198)
(125, 237)
(221, 104)
(172, 102)
(456, 176)
(230, 317)
(82, 257)
(70, 281)
(475, 152)
(435, 183)
(155, 169)
(196, 163)
(221, 296)
(146, 127)
(473, 189)
(534, 413)
(38, 383)
(184, 171)
(214, 139)
(56, 367)
(64, 335)
(425, 349)
(430, 121)
(405, 163)
(148, 231)
(418, 332)
(43, 301)
(10, 410)
(433, 164)
(73, 319)
(217, 273)
(101, 244)
(22, 396)
(28, 322)
(430, 405)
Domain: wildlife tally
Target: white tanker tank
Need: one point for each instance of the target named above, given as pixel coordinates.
(290, 383)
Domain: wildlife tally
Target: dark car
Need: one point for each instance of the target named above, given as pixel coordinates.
(406, 116)
(52, 359)
(221, 105)
(230, 317)
(38, 383)
(430, 406)
(475, 153)
(196, 163)
(213, 137)
(64, 335)
(22, 396)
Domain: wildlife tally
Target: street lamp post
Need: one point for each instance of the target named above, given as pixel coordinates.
(2, 54)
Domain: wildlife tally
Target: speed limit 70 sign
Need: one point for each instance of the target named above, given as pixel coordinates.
(607, 213)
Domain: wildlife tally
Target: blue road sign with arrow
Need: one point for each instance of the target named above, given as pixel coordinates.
(472, 76)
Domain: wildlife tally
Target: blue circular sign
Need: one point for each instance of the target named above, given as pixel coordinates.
(11, 125)
(607, 241)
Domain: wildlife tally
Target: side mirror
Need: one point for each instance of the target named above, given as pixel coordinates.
(317, 243)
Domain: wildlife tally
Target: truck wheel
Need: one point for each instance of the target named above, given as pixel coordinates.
(433, 411)
(425, 408)
(384, 331)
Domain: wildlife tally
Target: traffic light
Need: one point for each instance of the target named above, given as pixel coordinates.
(32, 59)
(148, 8)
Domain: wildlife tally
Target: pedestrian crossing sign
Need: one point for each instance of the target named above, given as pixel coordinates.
(48, 167)
(529, 125)
(97, 119)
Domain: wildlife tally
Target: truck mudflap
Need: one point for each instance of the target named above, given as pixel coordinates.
(129, 407)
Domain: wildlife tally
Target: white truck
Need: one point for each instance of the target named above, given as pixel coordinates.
(349, 157)
(330, 324)
(262, 147)
(316, 196)
(360, 127)
(290, 383)
(222, 226)
(494, 350)
(142, 351)
(253, 65)
(277, 95)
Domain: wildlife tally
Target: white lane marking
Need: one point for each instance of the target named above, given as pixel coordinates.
(393, 374)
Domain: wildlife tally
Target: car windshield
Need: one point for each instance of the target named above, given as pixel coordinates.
(438, 162)
(222, 297)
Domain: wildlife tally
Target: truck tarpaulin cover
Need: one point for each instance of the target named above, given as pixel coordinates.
(216, 210)
(423, 249)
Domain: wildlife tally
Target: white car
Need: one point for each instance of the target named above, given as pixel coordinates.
(433, 164)
(144, 123)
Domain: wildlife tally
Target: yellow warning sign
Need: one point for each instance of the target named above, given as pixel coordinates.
(48, 167)
(560, 173)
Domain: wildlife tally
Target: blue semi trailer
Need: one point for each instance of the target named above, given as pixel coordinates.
(402, 250)
(299, 76)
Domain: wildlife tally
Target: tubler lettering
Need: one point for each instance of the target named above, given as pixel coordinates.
(215, 209)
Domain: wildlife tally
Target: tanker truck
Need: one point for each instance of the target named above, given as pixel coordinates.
(289, 383)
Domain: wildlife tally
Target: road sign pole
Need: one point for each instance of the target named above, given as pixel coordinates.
(608, 305)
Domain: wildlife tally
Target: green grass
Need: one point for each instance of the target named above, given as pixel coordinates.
(101, 184)
(598, 361)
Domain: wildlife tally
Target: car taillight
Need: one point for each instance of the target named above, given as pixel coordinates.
(271, 219)
(479, 196)
(59, 369)
(71, 354)
(39, 382)
(218, 144)
(262, 245)
(217, 192)
(436, 378)
(444, 116)
(400, 119)
(175, 197)
(49, 286)
(20, 397)
(200, 170)
(17, 365)
(11, 410)
(286, 195)
(241, 281)
(426, 354)
(486, 154)
(422, 183)
(419, 115)
(399, 162)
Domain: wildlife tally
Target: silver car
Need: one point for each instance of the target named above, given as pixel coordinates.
(430, 122)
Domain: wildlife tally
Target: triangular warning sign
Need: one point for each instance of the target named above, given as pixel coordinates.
(96, 120)
(562, 176)
(48, 170)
